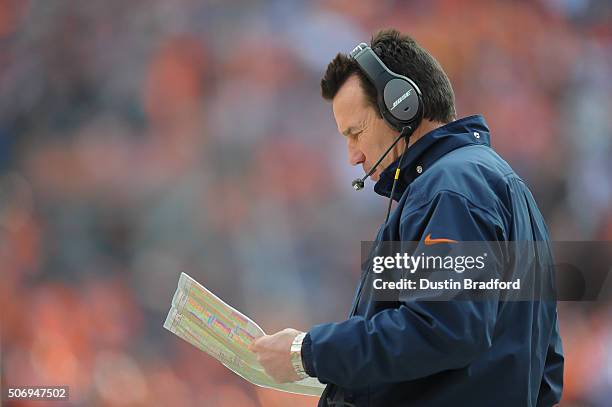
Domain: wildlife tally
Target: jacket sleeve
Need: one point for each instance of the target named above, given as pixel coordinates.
(552, 379)
(419, 338)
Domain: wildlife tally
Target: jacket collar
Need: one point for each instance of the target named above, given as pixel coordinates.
(429, 148)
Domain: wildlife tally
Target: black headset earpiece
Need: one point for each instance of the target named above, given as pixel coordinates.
(398, 97)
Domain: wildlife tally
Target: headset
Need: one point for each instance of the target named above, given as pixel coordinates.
(399, 101)
(399, 98)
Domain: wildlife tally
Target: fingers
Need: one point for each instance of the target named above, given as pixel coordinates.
(258, 344)
(278, 341)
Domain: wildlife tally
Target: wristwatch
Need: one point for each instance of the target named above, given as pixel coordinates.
(296, 355)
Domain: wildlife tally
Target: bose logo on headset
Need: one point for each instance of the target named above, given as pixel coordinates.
(401, 98)
(393, 90)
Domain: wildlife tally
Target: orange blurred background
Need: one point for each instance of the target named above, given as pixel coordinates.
(140, 139)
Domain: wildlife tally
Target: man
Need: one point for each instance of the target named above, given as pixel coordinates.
(454, 187)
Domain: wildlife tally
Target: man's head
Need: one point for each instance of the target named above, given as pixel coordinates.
(354, 103)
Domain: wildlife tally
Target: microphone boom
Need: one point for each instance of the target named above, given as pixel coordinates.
(358, 183)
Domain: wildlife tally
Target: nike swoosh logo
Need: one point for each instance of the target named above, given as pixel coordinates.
(429, 241)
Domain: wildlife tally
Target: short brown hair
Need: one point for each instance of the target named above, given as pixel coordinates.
(404, 56)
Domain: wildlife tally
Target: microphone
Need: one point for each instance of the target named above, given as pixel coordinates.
(358, 183)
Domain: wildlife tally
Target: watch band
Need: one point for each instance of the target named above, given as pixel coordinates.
(296, 355)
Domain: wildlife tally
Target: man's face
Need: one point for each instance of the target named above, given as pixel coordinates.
(367, 135)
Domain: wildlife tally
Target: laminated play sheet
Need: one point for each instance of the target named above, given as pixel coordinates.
(204, 320)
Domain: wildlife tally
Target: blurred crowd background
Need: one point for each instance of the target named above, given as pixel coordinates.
(142, 138)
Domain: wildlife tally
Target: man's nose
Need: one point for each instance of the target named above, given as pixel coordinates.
(355, 155)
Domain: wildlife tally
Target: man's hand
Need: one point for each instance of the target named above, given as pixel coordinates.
(273, 352)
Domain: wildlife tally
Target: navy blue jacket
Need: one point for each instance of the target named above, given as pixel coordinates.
(452, 353)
